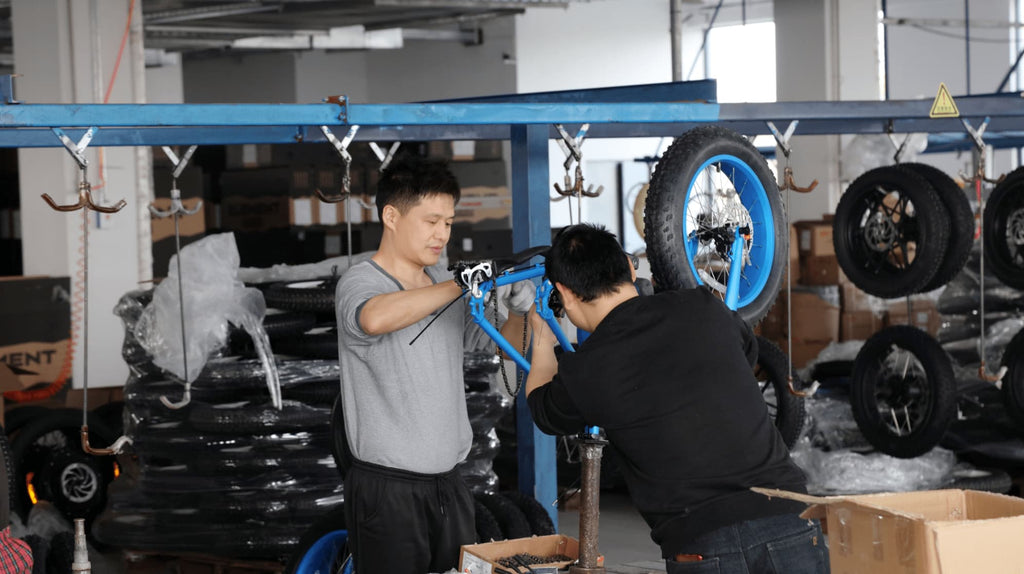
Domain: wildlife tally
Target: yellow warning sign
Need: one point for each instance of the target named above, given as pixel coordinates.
(944, 106)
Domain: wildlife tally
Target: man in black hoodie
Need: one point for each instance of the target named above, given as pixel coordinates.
(669, 378)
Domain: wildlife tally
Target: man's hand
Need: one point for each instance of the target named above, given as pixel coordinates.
(518, 297)
(543, 337)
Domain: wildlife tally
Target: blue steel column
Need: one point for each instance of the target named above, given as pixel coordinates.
(531, 225)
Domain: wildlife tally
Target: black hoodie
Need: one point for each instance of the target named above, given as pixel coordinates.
(669, 378)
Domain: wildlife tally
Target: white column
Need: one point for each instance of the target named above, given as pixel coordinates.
(64, 52)
(825, 51)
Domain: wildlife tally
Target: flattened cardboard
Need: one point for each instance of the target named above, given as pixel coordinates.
(928, 532)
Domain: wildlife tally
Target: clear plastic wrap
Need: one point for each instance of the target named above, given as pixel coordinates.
(282, 272)
(830, 425)
(962, 295)
(213, 297)
(847, 472)
(485, 408)
(835, 351)
(997, 337)
(868, 151)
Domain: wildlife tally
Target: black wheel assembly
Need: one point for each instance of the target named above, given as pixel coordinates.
(1013, 380)
(1004, 230)
(903, 391)
(961, 223)
(786, 409)
(891, 232)
(33, 450)
(711, 183)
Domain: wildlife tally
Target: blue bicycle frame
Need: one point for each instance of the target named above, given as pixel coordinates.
(478, 297)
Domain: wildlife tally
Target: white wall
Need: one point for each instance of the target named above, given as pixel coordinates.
(321, 74)
(593, 45)
(919, 60)
(241, 79)
(62, 59)
(430, 70)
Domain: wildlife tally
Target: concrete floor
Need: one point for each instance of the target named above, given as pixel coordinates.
(623, 537)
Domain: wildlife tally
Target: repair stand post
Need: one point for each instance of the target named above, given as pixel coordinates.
(590, 561)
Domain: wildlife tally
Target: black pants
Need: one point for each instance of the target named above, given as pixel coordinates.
(402, 522)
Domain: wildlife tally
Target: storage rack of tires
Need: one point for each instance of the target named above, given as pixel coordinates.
(907, 229)
(230, 475)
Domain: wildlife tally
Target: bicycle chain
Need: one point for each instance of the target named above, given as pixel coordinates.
(504, 376)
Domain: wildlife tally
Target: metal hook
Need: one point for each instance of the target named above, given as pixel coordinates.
(185, 400)
(340, 146)
(385, 158)
(77, 151)
(112, 449)
(571, 146)
(787, 174)
(176, 206)
(788, 183)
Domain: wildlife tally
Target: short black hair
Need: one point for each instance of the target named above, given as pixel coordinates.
(588, 260)
(411, 178)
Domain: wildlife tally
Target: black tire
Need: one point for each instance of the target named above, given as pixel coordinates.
(512, 521)
(314, 393)
(61, 555)
(249, 464)
(985, 480)
(75, 482)
(665, 217)
(64, 429)
(538, 518)
(309, 346)
(262, 418)
(903, 371)
(112, 415)
(330, 522)
(883, 214)
(340, 449)
(1013, 380)
(1004, 230)
(9, 471)
(785, 409)
(18, 417)
(961, 223)
(487, 528)
(315, 296)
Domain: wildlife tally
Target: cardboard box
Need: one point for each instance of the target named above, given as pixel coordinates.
(860, 325)
(485, 207)
(819, 270)
(814, 237)
(928, 532)
(256, 213)
(37, 313)
(923, 315)
(815, 320)
(483, 558)
(188, 225)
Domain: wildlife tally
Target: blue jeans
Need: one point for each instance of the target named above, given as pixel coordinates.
(784, 544)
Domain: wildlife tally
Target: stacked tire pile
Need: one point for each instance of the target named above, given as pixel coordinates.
(229, 474)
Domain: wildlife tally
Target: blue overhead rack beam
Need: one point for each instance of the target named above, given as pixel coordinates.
(654, 110)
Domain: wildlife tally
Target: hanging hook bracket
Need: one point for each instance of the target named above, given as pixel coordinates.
(787, 173)
(340, 146)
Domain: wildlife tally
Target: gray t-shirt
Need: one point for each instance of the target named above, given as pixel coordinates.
(405, 405)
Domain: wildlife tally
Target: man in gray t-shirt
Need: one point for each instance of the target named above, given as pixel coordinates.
(406, 507)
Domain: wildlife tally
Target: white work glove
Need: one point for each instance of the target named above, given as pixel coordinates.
(518, 297)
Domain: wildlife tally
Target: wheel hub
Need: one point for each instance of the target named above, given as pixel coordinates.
(1015, 227)
(79, 482)
(880, 233)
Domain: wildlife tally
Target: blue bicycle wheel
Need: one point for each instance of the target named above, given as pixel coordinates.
(322, 549)
(710, 183)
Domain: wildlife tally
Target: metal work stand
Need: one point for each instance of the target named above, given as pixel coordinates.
(590, 561)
